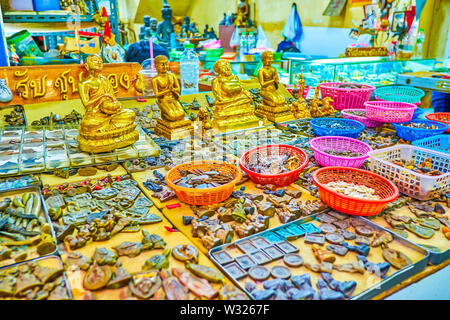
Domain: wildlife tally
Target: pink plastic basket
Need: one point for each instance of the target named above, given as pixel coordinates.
(367, 122)
(321, 144)
(345, 98)
(389, 111)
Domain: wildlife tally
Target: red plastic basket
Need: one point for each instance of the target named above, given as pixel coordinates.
(350, 205)
(202, 197)
(345, 98)
(389, 111)
(443, 117)
(279, 180)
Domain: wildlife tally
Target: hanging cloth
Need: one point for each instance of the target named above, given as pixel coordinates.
(262, 41)
(235, 38)
(293, 29)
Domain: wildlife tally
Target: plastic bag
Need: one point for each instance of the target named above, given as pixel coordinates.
(235, 38)
(293, 29)
(262, 41)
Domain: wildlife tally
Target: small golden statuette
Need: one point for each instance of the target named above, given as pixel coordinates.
(274, 105)
(326, 109)
(173, 123)
(232, 104)
(105, 125)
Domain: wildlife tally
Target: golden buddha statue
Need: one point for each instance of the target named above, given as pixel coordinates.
(106, 125)
(274, 104)
(166, 87)
(232, 104)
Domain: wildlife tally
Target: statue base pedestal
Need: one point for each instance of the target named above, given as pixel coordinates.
(274, 114)
(107, 143)
(235, 118)
(173, 130)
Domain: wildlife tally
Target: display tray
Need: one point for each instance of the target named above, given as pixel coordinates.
(37, 287)
(22, 237)
(12, 183)
(368, 284)
(48, 149)
(441, 251)
(130, 263)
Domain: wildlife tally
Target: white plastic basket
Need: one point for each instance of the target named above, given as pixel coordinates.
(413, 184)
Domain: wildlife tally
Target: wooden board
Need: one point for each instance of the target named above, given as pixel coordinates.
(35, 84)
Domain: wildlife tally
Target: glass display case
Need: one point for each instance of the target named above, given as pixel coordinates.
(377, 71)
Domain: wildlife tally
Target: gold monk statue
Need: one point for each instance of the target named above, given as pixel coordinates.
(167, 91)
(269, 81)
(232, 104)
(106, 125)
(274, 105)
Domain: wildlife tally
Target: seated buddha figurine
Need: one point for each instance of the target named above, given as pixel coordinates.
(105, 125)
(167, 92)
(232, 104)
(274, 104)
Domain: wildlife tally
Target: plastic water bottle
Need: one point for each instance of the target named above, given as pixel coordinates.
(189, 70)
(419, 44)
(251, 41)
(244, 45)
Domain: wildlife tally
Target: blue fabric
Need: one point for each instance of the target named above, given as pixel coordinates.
(440, 101)
(293, 29)
(140, 51)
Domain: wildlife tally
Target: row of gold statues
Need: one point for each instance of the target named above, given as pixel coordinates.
(107, 126)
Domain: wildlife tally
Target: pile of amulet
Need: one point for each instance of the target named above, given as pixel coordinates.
(199, 179)
(264, 164)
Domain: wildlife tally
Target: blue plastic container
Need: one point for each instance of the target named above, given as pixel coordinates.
(46, 5)
(417, 113)
(328, 127)
(438, 143)
(412, 134)
(399, 94)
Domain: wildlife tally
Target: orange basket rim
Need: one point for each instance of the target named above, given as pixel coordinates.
(385, 200)
(206, 190)
(431, 116)
(274, 175)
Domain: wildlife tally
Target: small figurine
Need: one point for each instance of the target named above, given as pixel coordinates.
(243, 15)
(314, 109)
(185, 28)
(327, 108)
(167, 91)
(232, 104)
(144, 33)
(205, 118)
(274, 104)
(105, 125)
(300, 109)
(165, 27)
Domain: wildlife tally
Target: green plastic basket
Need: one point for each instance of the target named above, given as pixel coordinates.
(399, 94)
